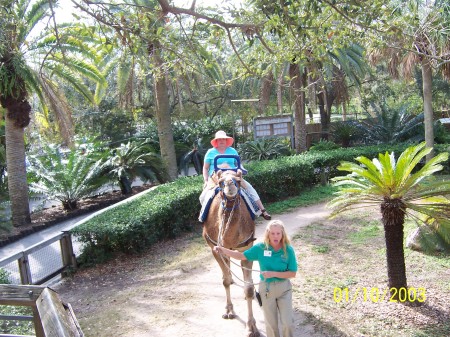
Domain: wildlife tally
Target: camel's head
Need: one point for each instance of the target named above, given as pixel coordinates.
(230, 182)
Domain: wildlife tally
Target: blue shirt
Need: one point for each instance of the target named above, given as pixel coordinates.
(211, 153)
(271, 260)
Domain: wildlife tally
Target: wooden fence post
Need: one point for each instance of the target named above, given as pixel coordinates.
(24, 270)
(68, 257)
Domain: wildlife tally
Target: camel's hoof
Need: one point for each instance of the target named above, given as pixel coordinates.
(228, 316)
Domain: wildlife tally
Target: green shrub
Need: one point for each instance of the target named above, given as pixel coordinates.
(324, 145)
(4, 276)
(280, 178)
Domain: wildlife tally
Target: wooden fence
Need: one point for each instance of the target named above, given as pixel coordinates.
(51, 317)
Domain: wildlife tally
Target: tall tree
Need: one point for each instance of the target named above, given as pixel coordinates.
(418, 38)
(28, 64)
(145, 29)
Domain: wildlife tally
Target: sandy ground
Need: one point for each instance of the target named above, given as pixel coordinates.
(140, 298)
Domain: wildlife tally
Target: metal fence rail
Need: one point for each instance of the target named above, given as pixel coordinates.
(41, 262)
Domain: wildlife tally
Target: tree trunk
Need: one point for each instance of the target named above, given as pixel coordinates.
(325, 125)
(17, 173)
(299, 108)
(164, 121)
(427, 78)
(393, 218)
(280, 81)
(264, 94)
(125, 185)
(344, 111)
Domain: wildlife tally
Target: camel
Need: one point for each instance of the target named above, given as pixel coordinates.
(230, 224)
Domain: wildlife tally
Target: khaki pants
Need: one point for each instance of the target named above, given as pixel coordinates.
(277, 306)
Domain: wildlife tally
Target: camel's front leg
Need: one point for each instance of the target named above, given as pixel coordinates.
(249, 290)
(224, 264)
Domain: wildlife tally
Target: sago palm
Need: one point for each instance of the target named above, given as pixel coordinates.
(133, 160)
(400, 188)
(67, 178)
(264, 149)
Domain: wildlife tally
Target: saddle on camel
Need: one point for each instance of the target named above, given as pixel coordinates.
(228, 221)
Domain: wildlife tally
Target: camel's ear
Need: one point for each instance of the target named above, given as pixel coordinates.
(219, 174)
(239, 173)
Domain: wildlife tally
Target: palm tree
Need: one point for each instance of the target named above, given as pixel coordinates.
(30, 64)
(343, 68)
(425, 37)
(401, 189)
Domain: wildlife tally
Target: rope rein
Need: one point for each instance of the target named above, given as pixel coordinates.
(222, 232)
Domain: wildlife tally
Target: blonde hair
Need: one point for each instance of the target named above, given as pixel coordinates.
(284, 239)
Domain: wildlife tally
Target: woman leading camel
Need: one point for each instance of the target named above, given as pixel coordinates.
(278, 264)
(222, 145)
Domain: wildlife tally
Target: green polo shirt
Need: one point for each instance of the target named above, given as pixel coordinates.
(271, 260)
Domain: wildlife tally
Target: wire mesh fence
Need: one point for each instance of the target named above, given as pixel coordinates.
(45, 261)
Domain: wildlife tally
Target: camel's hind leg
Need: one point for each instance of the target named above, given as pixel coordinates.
(224, 264)
(249, 291)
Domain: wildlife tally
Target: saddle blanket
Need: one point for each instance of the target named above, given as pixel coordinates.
(252, 207)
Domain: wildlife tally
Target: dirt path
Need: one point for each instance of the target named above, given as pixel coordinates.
(154, 295)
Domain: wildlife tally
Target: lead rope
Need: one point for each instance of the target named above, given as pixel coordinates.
(219, 243)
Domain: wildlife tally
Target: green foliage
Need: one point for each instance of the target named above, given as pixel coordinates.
(200, 131)
(263, 149)
(113, 124)
(4, 276)
(131, 160)
(345, 132)
(65, 177)
(441, 133)
(324, 145)
(14, 327)
(281, 178)
(391, 125)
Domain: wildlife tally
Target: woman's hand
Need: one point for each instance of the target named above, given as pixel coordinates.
(279, 274)
(268, 274)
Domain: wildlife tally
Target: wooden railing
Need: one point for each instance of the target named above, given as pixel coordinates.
(51, 317)
(67, 257)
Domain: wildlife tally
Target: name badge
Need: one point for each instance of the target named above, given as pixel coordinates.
(267, 253)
